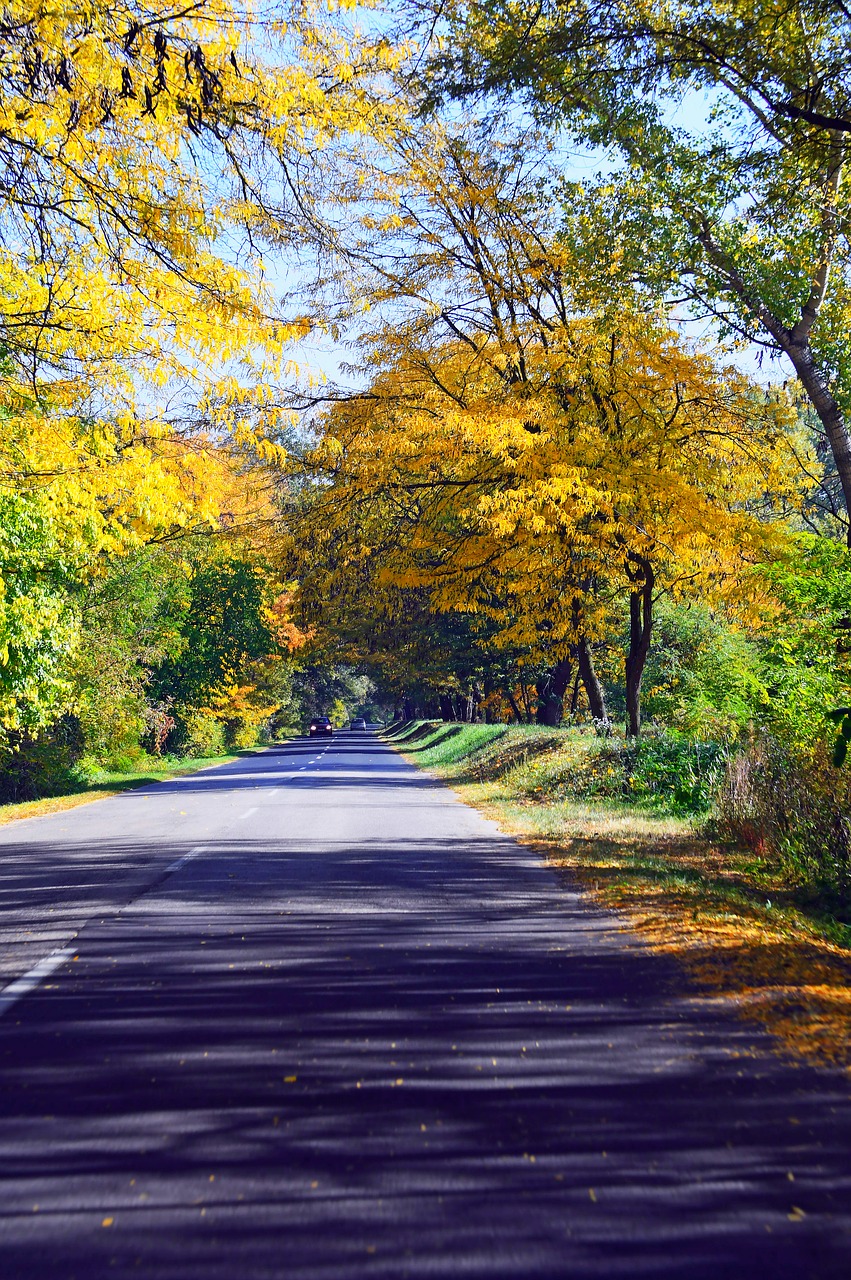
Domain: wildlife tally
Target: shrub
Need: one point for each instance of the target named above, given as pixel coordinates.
(40, 764)
(242, 732)
(202, 734)
(668, 772)
(794, 807)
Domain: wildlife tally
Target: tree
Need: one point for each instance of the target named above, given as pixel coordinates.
(150, 156)
(150, 153)
(535, 451)
(94, 524)
(226, 624)
(743, 215)
(806, 646)
(651, 477)
(38, 625)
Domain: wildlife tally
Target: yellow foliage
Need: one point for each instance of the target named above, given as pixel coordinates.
(525, 502)
(525, 441)
(139, 143)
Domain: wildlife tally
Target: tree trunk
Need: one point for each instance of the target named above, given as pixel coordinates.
(795, 344)
(641, 576)
(830, 415)
(524, 689)
(574, 697)
(593, 689)
(551, 690)
(447, 711)
(512, 702)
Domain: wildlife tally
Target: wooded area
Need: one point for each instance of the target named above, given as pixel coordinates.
(588, 463)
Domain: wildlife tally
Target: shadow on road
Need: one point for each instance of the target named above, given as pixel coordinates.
(387, 1057)
(368, 1062)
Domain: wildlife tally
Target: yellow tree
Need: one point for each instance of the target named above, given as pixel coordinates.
(545, 450)
(649, 469)
(150, 154)
(737, 203)
(76, 496)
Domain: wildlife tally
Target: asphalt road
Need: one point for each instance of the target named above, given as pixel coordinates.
(312, 1018)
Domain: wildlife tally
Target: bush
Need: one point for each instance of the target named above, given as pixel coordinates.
(201, 734)
(41, 764)
(131, 759)
(794, 807)
(242, 733)
(668, 772)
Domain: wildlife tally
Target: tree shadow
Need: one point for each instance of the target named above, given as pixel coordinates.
(400, 1058)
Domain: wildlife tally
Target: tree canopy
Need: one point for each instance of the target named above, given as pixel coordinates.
(728, 125)
(560, 251)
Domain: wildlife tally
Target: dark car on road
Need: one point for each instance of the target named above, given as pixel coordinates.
(320, 725)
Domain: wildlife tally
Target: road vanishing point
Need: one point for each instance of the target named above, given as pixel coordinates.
(306, 1016)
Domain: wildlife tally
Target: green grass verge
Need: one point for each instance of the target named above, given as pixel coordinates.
(524, 774)
(663, 773)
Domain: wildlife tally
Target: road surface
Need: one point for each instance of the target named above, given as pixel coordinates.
(310, 1017)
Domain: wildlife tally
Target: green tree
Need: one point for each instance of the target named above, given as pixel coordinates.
(226, 625)
(704, 674)
(39, 624)
(132, 619)
(807, 646)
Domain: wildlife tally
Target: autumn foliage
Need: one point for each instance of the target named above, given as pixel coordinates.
(555, 478)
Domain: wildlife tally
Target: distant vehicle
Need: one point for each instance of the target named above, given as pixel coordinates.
(358, 724)
(320, 725)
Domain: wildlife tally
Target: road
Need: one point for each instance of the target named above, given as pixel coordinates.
(311, 1017)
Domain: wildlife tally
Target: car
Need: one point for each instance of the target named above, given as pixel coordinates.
(358, 724)
(320, 725)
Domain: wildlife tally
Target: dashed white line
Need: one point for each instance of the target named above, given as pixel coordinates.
(181, 862)
(16, 990)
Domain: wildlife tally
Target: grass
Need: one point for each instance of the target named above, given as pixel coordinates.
(733, 921)
(111, 784)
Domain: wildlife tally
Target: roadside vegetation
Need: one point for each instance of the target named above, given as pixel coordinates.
(749, 927)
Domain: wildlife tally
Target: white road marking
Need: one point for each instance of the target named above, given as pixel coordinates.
(16, 990)
(181, 862)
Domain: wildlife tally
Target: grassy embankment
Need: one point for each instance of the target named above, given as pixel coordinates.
(735, 922)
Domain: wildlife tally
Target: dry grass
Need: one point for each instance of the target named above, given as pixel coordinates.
(51, 804)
